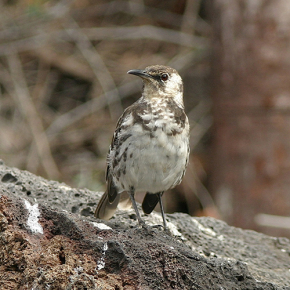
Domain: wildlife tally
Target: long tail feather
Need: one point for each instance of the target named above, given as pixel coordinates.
(105, 210)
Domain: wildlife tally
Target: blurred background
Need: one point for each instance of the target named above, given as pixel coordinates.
(64, 84)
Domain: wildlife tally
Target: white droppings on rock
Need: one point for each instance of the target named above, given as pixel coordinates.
(203, 229)
(101, 263)
(33, 215)
(101, 226)
(173, 229)
(157, 219)
(65, 187)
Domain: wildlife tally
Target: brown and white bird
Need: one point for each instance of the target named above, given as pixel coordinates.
(150, 147)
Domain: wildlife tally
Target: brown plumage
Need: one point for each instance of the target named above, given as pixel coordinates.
(150, 147)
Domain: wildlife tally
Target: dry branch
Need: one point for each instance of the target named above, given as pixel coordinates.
(90, 107)
(74, 56)
(66, 63)
(27, 108)
(97, 64)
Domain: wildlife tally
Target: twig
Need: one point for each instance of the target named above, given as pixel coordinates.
(198, 130)
(29, 112)
(191, 58)
(190, 16)
(95, 61)
(90, 107)
(189, 19)
(195, 186)
(24, 44)
(145, 32)
(201, 109)
(128, 7)
(106, 33)
(37, 94)
(67, 64)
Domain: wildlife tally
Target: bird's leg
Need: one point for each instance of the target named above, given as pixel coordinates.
(162, 210)
(131, 194)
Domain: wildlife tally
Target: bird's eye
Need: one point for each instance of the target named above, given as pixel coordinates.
(164, 77)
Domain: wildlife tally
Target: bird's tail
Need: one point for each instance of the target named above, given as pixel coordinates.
(149, 202)
(106, 209)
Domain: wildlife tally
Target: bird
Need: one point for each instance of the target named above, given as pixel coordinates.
(149, 151)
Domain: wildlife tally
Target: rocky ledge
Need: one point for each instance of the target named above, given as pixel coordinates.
(49, 239)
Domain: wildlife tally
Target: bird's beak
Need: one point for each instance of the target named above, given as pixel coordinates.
(139, 73)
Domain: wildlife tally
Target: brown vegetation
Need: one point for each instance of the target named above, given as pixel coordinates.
(63, 83)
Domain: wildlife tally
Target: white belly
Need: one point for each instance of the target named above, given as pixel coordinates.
(151, 164)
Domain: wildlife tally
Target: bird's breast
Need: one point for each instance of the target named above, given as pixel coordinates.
(153, 153)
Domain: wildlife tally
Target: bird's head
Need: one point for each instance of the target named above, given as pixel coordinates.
(160, 81)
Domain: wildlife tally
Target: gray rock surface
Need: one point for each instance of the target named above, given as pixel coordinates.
(49, 239)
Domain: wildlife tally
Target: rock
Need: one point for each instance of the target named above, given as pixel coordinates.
(49, 239)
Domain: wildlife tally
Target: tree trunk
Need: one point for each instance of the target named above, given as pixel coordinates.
(251, 97)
